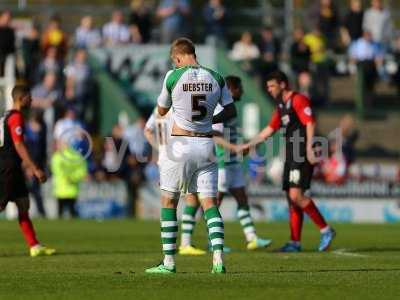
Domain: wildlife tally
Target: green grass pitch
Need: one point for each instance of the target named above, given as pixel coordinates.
(106, 260)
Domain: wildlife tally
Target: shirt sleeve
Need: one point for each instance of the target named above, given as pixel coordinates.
(226, 97)
(220, 126)
(164, 99)
(275, 122)
(16, 127)
(302, 107)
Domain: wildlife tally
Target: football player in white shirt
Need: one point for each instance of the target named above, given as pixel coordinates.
(230, 178)
(157, 132)
(193, 92)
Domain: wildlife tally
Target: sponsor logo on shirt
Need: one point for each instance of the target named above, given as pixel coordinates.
(18, 130)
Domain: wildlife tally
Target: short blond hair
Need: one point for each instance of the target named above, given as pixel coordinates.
(182, 46)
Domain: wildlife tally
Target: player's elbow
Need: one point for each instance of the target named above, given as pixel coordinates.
(162, 111)
(19, 145)
(148, 134)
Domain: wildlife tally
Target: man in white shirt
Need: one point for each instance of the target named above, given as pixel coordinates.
(116, 32)
(193, 92)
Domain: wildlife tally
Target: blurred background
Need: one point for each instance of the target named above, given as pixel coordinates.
(95, 70)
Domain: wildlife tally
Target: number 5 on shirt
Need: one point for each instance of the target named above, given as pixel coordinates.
(199, 108)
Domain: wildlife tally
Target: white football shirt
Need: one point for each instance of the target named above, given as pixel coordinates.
(194, 92)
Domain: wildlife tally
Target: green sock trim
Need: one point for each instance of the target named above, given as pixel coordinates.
(169, 229)
(168, 240)
(190, 210)
(212, 212)
(244, 207)
(218, 247)
(216, 235)
(248, 225)
(168, 214)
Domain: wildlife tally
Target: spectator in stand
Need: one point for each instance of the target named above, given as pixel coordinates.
(326, 16)
(47, 93)
(85, 35)
(245, 49)
(35, 138)
(50, 64)
(135, 36)
(270, 48)
(31, 54)
(320, 68)
(173, 14)
(353, 22)
(47, 98)
(214, 15)
(67, 128)
(300, 54)
(346, 135)
(316, 43)
(115, 166)
(378, 22)
(78, 82)
(396, 54)
(54, 36)
(365, 49)
(334, 168)
(116, 32)
(140, 17)
(300, 60)
(138, 145)
(7, 39)
(368, 56)
(305, 85)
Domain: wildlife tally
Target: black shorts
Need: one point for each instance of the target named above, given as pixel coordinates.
(297, 175)
(12, 183)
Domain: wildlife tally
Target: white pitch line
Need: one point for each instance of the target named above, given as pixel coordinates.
(346, 252)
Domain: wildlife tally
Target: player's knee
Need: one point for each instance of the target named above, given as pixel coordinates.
(191, 199)
(169, 199)
(22, 204)
(241, 197)
(295, 196)
(208, 202)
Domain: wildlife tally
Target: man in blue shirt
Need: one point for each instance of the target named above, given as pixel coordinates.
(173, 14)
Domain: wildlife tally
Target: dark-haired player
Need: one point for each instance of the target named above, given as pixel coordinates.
(294, 114)
(14, 154)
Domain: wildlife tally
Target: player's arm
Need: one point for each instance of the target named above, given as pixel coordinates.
(268, 131)
(219, 140)
(227, 113)
(150, 137)
(164, 100)
(16, 124)
(149, 131)
(302, 107)
(226, 102)
(262, 136)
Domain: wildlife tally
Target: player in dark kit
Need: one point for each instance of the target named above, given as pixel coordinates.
(14, 155)
(294, 114)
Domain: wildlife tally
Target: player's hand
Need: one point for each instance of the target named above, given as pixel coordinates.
(29, 173)
(243, 149)
(311, 157)
(40, 175)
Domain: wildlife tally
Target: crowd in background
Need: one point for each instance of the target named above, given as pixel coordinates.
(55, 64)
(364, 35)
